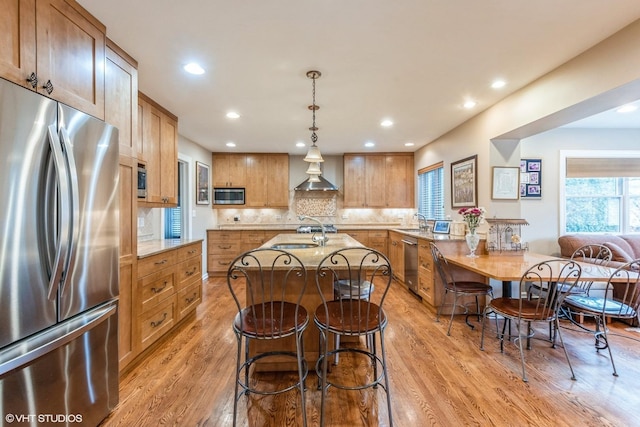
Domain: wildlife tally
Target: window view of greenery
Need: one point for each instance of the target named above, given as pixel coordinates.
(602, 205)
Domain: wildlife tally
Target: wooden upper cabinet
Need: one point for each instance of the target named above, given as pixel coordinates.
(378, 180)
(158, 150)
(61, 45)
(400, 181)
(364, 180)
(267, 180)
(229, 170)
(18, 41)
(121, 97)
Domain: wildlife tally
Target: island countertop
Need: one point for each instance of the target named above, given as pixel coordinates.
(311, 257)
(152, 247)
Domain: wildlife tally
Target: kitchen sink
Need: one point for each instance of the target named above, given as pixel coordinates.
(294, 245)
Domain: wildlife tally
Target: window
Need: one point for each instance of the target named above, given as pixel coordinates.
(173, 223)
(431, 192)
(602, 195)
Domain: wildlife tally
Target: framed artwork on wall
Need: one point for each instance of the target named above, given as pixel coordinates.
(464, 183)
(531, 178)
(202, 184)
(505, 184)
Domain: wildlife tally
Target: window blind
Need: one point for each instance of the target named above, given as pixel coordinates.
(430, 191)
(591, 167)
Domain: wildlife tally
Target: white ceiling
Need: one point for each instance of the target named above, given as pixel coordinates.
(414, 61)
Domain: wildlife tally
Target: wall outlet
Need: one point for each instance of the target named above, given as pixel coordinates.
(140, 221)
(236, 218)
(278, 217)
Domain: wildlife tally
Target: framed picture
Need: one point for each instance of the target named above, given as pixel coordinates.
(441, 226)
(505, 183)
(531, 178)
(202, 184)
(464, 183)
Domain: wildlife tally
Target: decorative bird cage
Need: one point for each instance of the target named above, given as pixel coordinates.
(505, 236)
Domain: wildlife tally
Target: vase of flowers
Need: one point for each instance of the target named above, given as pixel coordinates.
(472, 217)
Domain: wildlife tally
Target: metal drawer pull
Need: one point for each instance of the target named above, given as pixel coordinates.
(164, 261)
(192, 272)
(224, 247)
(190, 300)
(192, 251)
(158, 290)
(155, 324)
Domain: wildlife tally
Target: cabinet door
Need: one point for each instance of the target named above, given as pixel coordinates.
(399, 185)
(121, 97)
(169, 160)
(151, 134)
(374, 183)
(18, 41)
(257, 178)
(278, 180)
(66, 36)
(354, 179)
(229, 170)
(128, 259)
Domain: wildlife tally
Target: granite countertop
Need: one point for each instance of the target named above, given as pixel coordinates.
(311, 257)
(413, 232)
(152, 247)
(293, 227)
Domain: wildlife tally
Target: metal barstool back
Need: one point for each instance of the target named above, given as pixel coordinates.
(272, 282)
(361, 268)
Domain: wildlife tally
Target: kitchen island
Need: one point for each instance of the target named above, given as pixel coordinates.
(311, 258)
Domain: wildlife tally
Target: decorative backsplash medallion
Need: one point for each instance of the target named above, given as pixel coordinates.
(316, 206)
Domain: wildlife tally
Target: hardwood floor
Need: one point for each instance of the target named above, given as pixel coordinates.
(435, 379)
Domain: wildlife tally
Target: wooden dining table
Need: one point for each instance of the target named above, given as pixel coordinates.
(511, 267)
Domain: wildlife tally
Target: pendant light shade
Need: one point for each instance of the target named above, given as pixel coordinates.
(313, 155)
(314, 178)
(314, 169)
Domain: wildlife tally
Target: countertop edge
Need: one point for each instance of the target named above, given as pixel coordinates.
(153, 247)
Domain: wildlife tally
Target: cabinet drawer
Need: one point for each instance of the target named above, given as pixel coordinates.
(426, 288)
(378, 234)
(225, 236)
(188, 272)
(156, 287)
(224, 248)
(188, 299)
(152, 263)
(190, 251)
(157, 322)
(219, 263)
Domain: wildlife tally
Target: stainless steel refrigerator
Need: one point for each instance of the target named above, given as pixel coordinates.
(59, 237)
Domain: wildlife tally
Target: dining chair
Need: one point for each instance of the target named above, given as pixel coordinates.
(618, 298)
(542, 307)
(349, 315)
(267, 286)
(457, 288)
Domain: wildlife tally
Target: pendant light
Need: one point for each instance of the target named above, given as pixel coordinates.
(313, 155)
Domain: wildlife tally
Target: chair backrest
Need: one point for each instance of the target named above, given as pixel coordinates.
(442, 265)
(622, 297)
(546, 276)
(593, 254)
(368, 272)
(262, 282)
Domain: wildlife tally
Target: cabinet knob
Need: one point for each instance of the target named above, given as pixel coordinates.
(33, 80)
(48, 86)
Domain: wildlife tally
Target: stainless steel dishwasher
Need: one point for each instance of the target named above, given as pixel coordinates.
(411, 263)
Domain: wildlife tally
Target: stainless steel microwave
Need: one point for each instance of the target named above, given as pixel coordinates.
(228, 196)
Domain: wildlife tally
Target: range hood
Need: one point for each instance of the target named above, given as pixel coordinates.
(322, 185)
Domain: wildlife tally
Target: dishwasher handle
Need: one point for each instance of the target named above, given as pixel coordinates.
(410, 243)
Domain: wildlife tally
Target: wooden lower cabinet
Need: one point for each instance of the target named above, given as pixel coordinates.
(223, 246)
(375, 239)
(169, 287)
(396, 255)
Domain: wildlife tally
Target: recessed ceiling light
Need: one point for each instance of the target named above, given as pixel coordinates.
(627, 108)
(469, 104)
(300, 144)
(233, 115)
(230, 144)
(194, 68)
(497, 84)
(409, 144)
(369, 144)
(386, 123)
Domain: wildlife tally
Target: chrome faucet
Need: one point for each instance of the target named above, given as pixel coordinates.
(320, 240)
(422, 221)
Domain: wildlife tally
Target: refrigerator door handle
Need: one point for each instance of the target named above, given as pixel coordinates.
(23, 353)
(58, 267)
(75, 200)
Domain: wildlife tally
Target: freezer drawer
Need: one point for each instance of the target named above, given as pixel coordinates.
(69, 376)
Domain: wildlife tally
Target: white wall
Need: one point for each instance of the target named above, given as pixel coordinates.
(601, 78)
